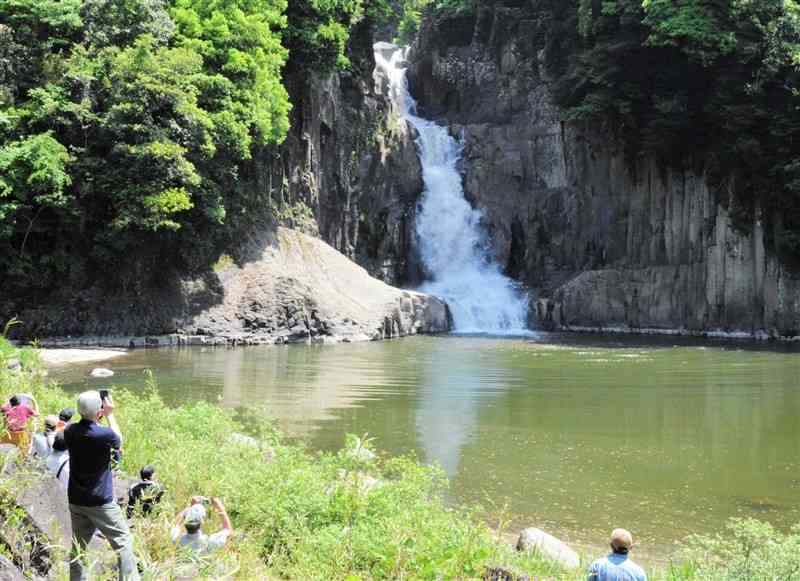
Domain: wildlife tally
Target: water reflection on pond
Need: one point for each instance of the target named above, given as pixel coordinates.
(575, 434)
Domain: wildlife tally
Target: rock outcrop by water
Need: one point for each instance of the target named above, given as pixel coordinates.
(300, 289)
(601, 243)
(291, 288)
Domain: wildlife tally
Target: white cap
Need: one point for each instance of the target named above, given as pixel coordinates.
(195, 515)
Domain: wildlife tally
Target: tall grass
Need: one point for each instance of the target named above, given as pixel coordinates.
(304, 515)
(28, 357)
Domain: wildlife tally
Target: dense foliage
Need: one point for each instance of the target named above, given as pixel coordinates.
(127, 127)
(410, 13)
(710, 85)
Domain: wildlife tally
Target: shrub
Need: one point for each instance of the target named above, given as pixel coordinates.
(751, 551)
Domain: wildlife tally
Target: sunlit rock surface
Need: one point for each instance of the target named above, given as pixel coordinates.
(533, 539)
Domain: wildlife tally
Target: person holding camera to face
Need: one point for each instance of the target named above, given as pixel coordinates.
(192, 519)
(90, 490)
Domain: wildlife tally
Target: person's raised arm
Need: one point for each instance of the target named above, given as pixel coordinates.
(108, 413)
(226, 521)
(175, 533)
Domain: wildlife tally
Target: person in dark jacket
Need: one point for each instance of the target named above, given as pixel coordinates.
(90, 490)
(145, 493)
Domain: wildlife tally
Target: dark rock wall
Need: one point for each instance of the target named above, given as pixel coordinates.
(354, 164)
(600, 243)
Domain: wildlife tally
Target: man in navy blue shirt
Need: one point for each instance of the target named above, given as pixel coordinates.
(90, 491)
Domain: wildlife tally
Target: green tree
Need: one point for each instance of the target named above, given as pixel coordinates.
(240, 43)
(33, 178)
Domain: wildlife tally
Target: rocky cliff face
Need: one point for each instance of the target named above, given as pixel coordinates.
(353, 164)
(600, 243)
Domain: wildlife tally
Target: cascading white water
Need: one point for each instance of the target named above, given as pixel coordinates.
(453, 245)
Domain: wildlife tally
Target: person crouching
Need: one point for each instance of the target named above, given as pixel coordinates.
(43, 441)
(58, 461)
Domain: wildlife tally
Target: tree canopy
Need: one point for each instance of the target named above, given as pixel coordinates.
(126, 125)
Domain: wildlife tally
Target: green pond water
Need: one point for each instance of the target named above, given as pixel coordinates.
(573, 434)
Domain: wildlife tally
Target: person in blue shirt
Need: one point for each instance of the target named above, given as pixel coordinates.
(617, 566)
(90, 491)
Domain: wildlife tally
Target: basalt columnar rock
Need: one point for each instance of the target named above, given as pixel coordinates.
(352, 163)
(602, 243)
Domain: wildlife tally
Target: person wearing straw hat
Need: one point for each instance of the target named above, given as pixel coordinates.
(43, 442)
(617, 566)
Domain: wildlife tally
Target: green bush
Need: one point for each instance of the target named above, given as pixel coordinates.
(131, 131)
(750, 551)
(28, 357)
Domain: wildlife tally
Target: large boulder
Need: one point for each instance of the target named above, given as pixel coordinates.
(296, 289)
(9, 571)
(41, 531)
(533, 539)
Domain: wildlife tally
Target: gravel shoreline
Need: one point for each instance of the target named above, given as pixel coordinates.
(55, 357)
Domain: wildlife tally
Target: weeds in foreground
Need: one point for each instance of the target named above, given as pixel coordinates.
(27, 357)
(346, 516)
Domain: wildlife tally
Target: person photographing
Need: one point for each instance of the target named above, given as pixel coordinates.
(192, 517)
(90, 491)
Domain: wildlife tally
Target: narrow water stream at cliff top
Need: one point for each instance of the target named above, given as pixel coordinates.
(452, 243)
(666, 437)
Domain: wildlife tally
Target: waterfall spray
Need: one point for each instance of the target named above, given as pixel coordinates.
(453, 245)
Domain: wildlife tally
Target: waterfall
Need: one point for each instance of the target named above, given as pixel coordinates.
(453, 245)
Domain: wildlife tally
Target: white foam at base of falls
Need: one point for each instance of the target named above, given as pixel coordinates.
(453, 245)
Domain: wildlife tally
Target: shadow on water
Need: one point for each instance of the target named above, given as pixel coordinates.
(648, 341)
